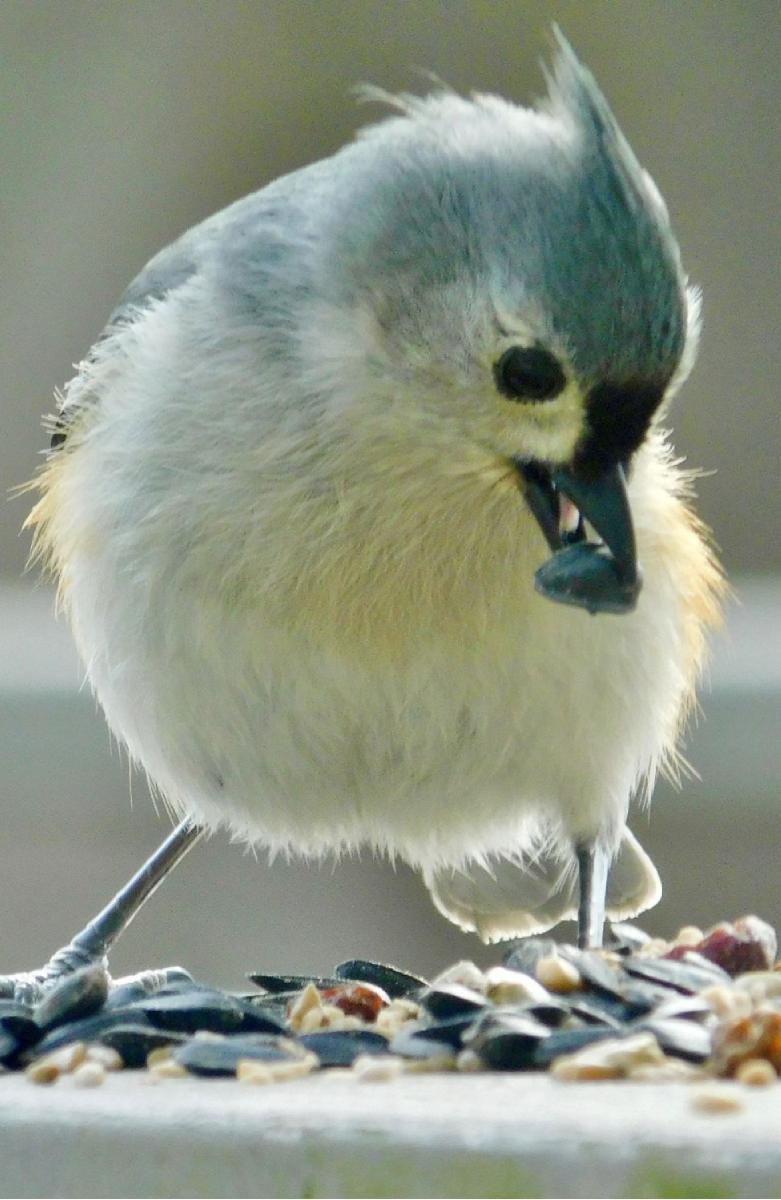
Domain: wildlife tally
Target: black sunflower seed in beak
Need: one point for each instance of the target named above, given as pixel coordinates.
(600, 577)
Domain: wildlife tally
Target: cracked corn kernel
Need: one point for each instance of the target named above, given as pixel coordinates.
(308, 1001)
(249, 1071)
(672, 1070)
(59, 1062)
(688, 935)
(108, 1058)
(166, 1068)
(374, 1068)
(726, 1000)
(716, 1100)
(466, 973)
(614, 1058)
(756, 1072)
(513, 987)
(759, 985)
(423, 1066)
(326, 1016)
(332, 1017)
(469, 1061)
(252, 1070)
(558, 975)
(655, 948)
(42, 1072)
(89, 1074)
(159, 1055)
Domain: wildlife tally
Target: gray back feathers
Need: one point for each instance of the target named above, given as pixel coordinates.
(542, 211)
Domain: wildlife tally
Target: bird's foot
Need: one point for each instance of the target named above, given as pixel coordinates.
(90, 947)
(30, 987)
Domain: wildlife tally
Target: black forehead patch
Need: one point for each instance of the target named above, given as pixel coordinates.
(617, 416)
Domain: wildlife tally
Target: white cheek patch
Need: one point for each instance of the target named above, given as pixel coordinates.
(547, 431)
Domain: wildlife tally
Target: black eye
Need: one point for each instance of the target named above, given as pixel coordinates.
(529, 373)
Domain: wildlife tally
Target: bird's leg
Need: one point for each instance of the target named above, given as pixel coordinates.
(593, 863)
(94, 941)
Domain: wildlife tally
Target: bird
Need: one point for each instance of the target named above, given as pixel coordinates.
(367, 523)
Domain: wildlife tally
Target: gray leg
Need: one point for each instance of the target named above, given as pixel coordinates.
(593, 863)
(96, 939)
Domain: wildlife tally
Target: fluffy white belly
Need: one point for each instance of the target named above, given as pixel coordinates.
(352, 678)
(436, 750)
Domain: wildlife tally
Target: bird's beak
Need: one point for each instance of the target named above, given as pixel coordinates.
(598, 576)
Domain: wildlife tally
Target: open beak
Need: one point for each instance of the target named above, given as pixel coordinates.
(598, 576)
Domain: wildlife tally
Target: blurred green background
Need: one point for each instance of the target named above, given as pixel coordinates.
(121, 124)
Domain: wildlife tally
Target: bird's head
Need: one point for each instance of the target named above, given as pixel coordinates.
(525, 289)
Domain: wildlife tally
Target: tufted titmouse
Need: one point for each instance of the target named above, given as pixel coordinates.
(334, 498)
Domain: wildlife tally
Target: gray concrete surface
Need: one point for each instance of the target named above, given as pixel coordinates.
(463, 1136)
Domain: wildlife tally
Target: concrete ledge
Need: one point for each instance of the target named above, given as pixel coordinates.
(468, 1136)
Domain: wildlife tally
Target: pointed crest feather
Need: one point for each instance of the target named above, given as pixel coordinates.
(575, 97)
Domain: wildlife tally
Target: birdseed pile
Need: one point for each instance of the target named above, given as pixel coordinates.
(704, 1007)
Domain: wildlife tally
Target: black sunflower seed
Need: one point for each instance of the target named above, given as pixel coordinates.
(550, 1012)
(624, 938)
(221, 1056)
(78, 995)
(16, 1019)
(688, 975)
(525, 955)
(679, 1007)
(10, 1047)
(341, 1047)
(451, 1000)
(187, 1012)
(390, 979)
(681, 1039)
(593, 969)
(413, 1041)
(450, 1032)
(507, 1043)
(89, 1029)
(276, 1003)
(594, 1006)
(123, 994)
(133, 1042)
(567, 1041)
(292, 983)
(256, 1018)
(642, 997)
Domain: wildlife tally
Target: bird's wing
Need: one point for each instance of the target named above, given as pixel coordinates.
(163, 275)
(168, 270)
(241, 247)
(515, 897)
(238, 237)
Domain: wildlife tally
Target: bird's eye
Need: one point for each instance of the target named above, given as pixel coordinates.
(529, 373)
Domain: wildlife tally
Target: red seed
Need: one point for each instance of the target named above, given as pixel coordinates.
(362, 1000)
(747, 945)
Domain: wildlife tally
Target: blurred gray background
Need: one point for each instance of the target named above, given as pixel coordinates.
(121, 124)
